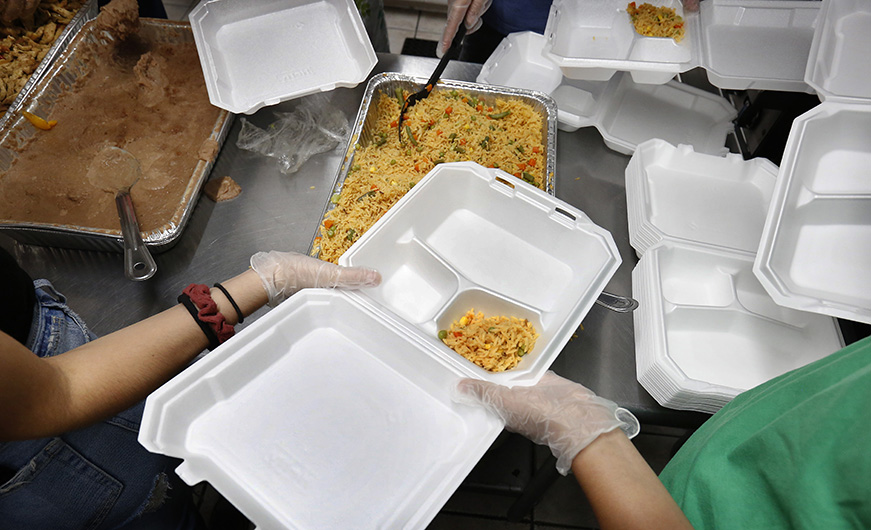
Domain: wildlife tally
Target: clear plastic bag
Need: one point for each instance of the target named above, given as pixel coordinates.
(314, 126)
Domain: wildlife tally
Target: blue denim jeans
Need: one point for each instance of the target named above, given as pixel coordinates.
(98, 477)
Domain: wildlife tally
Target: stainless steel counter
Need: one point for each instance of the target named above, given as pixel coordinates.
(281, 212)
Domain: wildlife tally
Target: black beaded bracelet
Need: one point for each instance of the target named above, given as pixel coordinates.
(232, 302)
(194, 311)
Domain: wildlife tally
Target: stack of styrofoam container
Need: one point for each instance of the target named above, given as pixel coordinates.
(815, 250)
(705, 329)
(255, 54)
(334, 409)
(742, 44)
(625, 113)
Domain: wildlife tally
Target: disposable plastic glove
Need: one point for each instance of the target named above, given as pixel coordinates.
(284, 273)
(458, 10)
(556, 412)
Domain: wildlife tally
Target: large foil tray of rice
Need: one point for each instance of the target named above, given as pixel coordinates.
(147, 97)
(507, 128)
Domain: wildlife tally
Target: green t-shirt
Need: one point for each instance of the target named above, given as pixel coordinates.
(794, 452)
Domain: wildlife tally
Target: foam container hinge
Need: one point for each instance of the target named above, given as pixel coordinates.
(256, 54)
(742, 44)
(333, 410)
(625, 113)
(815, 250)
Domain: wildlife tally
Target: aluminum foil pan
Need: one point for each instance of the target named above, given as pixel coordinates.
(86, 13)
(67, 68)
(388, 82)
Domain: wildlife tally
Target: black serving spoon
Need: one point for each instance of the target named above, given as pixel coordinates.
(452, 53)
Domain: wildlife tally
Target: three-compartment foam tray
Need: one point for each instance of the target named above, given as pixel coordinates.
(333, 410)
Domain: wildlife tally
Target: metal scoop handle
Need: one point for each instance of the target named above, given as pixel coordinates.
(619, 304)
(139, 265)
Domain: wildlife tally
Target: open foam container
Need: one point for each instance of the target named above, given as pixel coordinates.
(626, 113)
(742, 44)
(333, 410)
(678, 194)
(705, 329)
(256, 54)
(815, 250)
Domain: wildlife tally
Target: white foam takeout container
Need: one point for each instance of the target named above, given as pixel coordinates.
(678, 194)
(705, 329)
(625, 113)
(256, 54)
(742, 44)
(815, 250)
(333, 410)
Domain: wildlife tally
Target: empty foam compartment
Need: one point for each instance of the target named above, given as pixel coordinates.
(720, 325)
(256, 54)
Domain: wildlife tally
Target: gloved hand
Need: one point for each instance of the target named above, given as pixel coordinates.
(458, 11)
(556, 412)
(284, 273)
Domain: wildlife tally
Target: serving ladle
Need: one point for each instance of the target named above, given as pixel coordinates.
(116, 170)
(452, 53)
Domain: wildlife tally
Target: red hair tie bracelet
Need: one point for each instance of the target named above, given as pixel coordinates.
(197, 298)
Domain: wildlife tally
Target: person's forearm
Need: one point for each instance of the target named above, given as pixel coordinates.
(112, 373)
(622, 489)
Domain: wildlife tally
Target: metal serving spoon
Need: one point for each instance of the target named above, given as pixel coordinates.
(117, 170)
(452, 53)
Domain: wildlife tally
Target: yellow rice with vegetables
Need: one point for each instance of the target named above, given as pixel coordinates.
(495, 343)
(652, 21)
(447, 126)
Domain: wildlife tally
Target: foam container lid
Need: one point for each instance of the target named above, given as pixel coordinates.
(625, 113)
(742, 44)
(706, 329)
(815, 250)
(333, 410)
(518, 62)
(677, 194)
(256, 54)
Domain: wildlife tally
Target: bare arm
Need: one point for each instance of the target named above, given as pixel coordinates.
(45, 396)
(622, 489)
